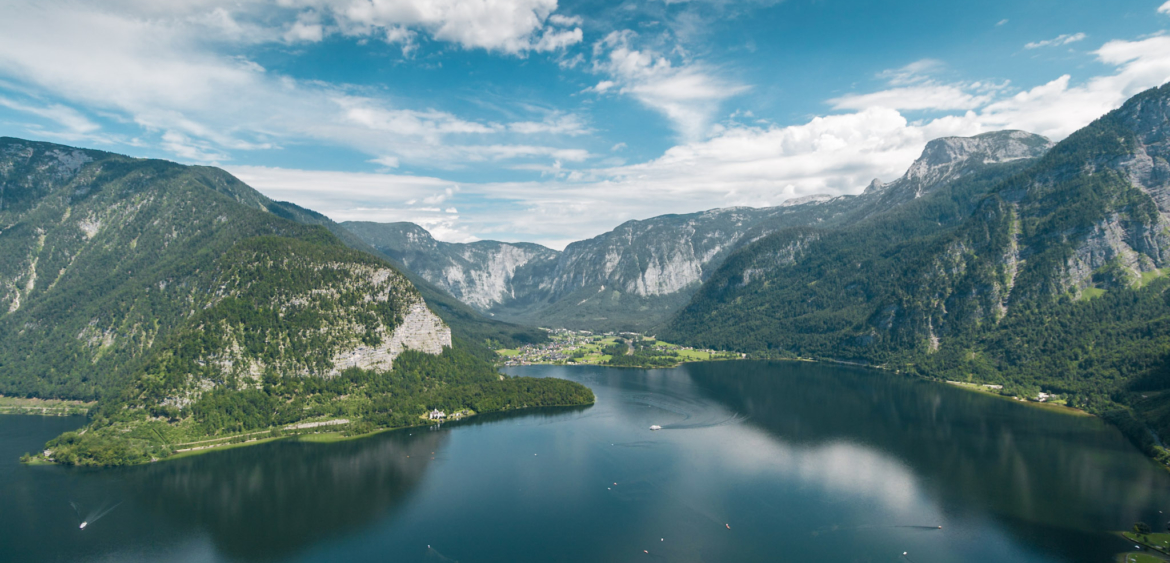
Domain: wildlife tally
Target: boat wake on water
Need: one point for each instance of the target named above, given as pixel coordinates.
(93, 515)
(434, 555)
(691, 413)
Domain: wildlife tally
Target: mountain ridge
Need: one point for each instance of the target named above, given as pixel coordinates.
(638, 274)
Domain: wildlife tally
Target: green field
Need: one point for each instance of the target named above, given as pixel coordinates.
(44, 407)
(1156, 540)
(584, 348)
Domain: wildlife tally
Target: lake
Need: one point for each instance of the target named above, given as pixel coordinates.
(756, 461)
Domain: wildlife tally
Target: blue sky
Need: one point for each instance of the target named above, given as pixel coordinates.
(554, 121)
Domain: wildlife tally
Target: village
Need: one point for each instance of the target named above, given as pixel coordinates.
(569, 347)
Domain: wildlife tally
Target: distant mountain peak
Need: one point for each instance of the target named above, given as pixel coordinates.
(814, 198)
(941, 155)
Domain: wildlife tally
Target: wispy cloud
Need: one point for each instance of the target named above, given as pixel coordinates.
(924, 97)
(1057, 41)
(915, 89)
(738, 165)
(74, 122)
(688, 93)
(168, 75)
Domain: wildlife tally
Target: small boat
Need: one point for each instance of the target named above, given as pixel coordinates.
(656, 427)
(82, 526)
(728, 526)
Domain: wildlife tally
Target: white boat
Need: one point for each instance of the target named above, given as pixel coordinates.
(83, 525)
(656, 427)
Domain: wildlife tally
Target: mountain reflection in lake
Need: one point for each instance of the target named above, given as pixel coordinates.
(755, 462)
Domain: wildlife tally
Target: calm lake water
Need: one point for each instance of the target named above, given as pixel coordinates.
(805, 462)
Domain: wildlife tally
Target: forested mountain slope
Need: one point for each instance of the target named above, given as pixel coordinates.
(179, 299)
(1050, 278)
(635, 276)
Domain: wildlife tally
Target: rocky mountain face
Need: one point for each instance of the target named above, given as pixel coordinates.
(637, 275)
(630, 278)
(103, 258)
(1039, 273)
(948, 159)
(195, 309)
(482, 274)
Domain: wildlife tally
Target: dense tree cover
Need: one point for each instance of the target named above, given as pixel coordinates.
(452, 381)
(189, 305)
(982, 281)
(639, 353)
(102, 256)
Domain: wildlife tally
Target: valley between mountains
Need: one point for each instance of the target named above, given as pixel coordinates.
(194, 309)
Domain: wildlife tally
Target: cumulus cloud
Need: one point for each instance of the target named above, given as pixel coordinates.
(753, 165)
(1059, 107)
(1164, 8)
(1056, 41)
(741, 166)
(688, 94)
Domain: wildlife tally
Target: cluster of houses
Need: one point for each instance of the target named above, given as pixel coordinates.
(564, 343)
(440, 415)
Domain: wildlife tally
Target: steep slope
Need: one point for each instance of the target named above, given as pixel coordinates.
(636, 276)
(481, 334)
(482, 274)
(175, 296)
(948, 159)
(1053, 283)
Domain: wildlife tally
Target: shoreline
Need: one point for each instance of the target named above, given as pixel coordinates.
(314, 437)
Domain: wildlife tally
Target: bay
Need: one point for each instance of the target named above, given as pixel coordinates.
(756, 461)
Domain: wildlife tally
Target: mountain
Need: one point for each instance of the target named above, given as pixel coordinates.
(1049, 277)
(185, 304)
(637, 275)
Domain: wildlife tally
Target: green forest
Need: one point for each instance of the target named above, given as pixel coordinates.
(452, 381)
(980, 281)
(192, 307)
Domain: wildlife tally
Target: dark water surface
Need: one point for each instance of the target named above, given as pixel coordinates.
(805, 462)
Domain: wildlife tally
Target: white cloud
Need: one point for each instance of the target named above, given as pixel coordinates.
(740, 164)
(688, 94)
(913, 73)
(1058, 108)
(915, 90)
(166, 74)
(1164, 8)
(1056, 41)
(510, 26)
(557, 124)
(924, 97)
(1001, 22)
(75, 123)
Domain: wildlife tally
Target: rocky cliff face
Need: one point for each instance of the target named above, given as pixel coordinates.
(631, 277)
(421, 330)
(982, 227)
(638, 274)
(947, 159)
(104, 260)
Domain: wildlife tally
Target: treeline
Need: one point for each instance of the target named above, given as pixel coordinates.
(977, 281)
(643, 355)
(452, 381)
